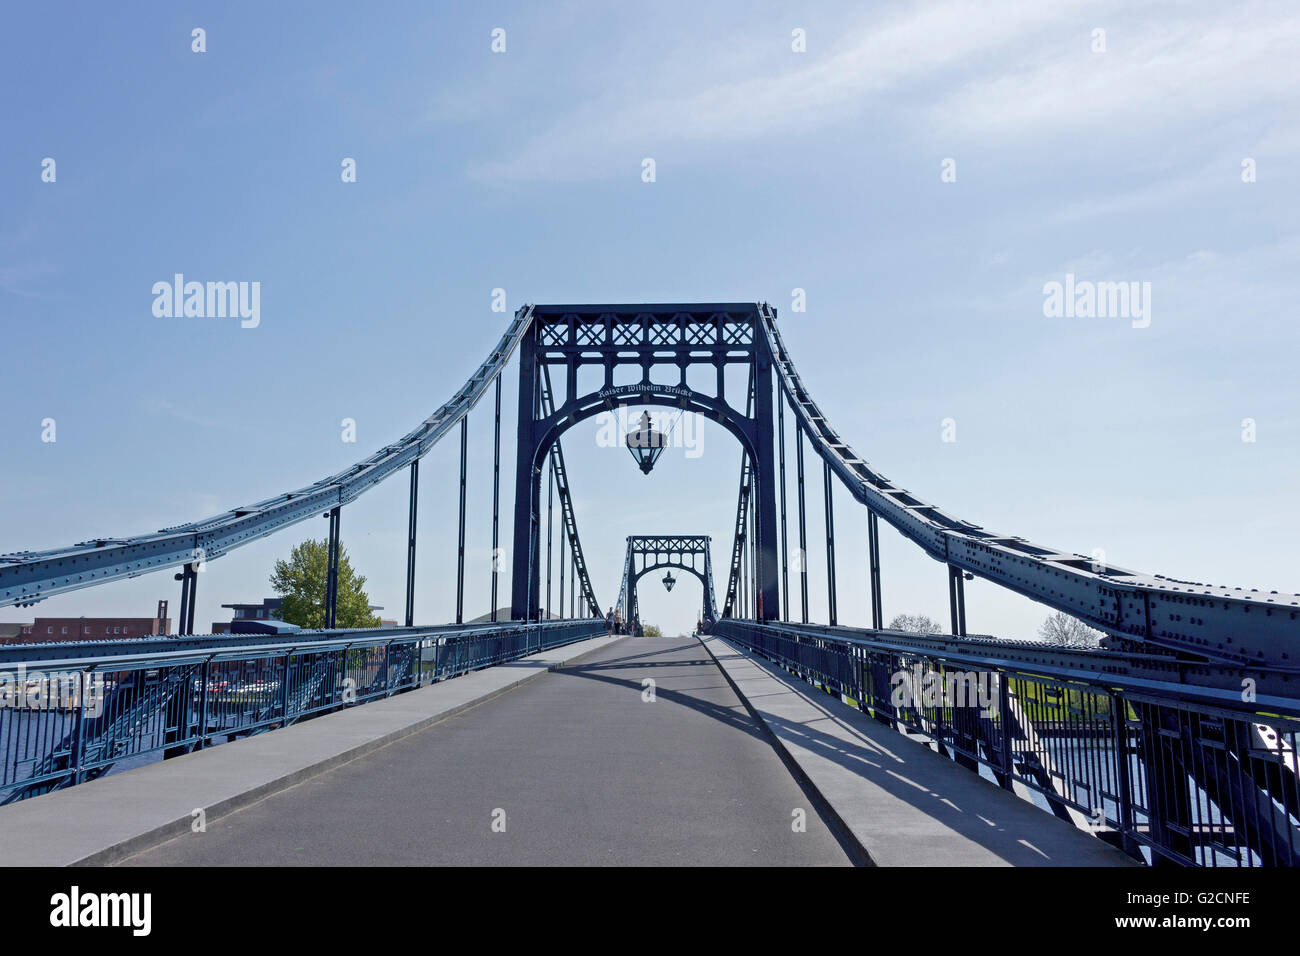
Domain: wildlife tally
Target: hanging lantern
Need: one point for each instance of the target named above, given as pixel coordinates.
(646, 444)
(669, 581)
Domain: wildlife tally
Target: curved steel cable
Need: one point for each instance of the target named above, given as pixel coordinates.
(29, 576)
(1236, 625)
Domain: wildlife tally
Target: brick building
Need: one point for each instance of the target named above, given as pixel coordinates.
(94, 628)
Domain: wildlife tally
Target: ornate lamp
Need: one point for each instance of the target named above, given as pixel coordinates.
(646, 444)
(669, 581)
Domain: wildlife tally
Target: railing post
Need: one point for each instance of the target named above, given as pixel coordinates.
(883, 668)
(343, 674)
(1004, 717)
(284, 690)
(79, 737)
(1123, 785)
(203, 704)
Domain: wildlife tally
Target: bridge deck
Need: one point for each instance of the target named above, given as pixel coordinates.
(586, 771)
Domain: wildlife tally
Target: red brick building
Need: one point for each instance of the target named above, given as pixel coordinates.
(94, 628)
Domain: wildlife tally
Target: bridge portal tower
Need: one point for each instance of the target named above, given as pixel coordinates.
(659, 343)
(685, 552)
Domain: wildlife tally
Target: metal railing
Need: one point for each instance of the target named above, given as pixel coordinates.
(1160, 771)
(70, 719)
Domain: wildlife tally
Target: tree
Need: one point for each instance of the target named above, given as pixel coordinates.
(1066, 631)
(301, 582)
(916, 624)
(651, 630)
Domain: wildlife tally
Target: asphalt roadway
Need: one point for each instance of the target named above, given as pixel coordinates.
(576, 767)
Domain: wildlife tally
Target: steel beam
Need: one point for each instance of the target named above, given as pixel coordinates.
(410, 543)
(332, 569)
(563, 547)
(550, 521)
(803, 530)
(523, 582)
(496, 496)
(189, 579)
(957, 600)
(767, 584)
(785, 547)
(830, 542)
(460, 542)
(873, 561)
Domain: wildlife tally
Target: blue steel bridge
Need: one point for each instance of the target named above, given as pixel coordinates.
(1173, 743)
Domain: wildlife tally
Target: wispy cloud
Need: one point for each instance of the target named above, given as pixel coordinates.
(871, 57)
(1157, 72)
(1022, 69)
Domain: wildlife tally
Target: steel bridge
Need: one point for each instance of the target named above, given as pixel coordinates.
(685, 552)
(1175, 741)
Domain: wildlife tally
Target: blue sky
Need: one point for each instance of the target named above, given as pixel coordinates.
(775, 170)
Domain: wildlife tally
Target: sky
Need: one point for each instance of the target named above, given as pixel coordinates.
(921, 171)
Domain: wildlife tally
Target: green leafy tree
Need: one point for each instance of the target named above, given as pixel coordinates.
(301, 582)
(651, 630)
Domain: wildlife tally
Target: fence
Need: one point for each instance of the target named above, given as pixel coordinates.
(1166, 778)
(64, 721)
